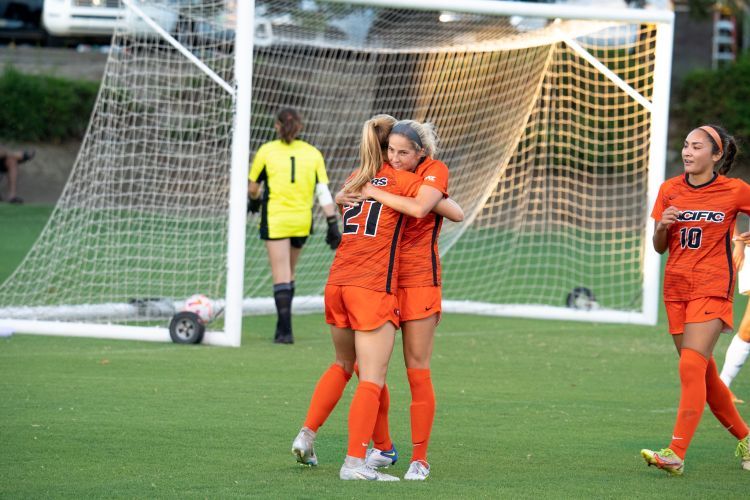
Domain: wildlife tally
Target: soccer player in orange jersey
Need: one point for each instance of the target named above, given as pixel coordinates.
(694, 216)
(739, 348)
(411, 147)
(362, 306)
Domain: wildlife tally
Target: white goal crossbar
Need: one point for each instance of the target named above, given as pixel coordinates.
(543, 10)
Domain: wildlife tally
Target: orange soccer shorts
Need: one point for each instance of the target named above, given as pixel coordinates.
(420, 302)
(360, 308)
(698, 311)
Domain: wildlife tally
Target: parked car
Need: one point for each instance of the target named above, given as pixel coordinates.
(98, 18)
(20, 20)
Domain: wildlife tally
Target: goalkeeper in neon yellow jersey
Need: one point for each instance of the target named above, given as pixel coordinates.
(285, 177)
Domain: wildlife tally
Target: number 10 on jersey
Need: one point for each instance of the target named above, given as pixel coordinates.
(690, 237)
(372, 209)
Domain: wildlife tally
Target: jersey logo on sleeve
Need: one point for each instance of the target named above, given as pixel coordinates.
(430, 178)
(380, 181)
(700, 215)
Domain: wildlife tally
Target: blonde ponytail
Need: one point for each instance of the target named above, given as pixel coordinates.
(375, 134)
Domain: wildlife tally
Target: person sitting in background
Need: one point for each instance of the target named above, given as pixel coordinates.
(9, 162)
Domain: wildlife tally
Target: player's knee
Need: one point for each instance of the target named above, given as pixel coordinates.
(416, 358)
(421, 362)
(346, 364)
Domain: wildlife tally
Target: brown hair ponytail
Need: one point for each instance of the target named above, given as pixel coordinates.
(728, 147)
(289, 124)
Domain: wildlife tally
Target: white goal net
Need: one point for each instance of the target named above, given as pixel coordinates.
(552, 121)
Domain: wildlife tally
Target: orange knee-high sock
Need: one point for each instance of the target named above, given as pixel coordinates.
(362, 415)
(692, 399)
(326, 395)
(422, 410)
(381, 437)
(719, 399)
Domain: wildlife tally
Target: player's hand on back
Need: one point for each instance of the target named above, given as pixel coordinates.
(367, 191)
(348, 199)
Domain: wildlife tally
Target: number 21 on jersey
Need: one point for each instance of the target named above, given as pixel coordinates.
(372, 209)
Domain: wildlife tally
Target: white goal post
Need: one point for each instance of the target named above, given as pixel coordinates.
(552, 118)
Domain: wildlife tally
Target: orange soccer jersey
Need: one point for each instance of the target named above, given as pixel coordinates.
(420, 259)
(368, 254)
(700, 250)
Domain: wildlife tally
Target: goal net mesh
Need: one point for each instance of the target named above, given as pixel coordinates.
(548, 157)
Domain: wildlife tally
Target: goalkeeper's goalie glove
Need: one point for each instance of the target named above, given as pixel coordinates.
(253, 205)
(333, 236)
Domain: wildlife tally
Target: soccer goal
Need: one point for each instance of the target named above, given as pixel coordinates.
(552, 118)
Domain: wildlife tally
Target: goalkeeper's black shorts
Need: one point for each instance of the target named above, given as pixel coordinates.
(296, 241)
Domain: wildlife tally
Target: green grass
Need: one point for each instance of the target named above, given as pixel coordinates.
(526, 409)
(130, 255)
(542, 268)
(20, 225)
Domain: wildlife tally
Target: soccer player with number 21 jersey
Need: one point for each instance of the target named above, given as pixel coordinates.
(361, 300)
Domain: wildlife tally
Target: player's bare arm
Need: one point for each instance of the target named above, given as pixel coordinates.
(253, 190)
(425, 202)
(743, 238)
(738, 255)
(738, 248)
(448, 208)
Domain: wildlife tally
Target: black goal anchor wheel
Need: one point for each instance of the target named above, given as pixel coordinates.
(581, 298)
(186, 328)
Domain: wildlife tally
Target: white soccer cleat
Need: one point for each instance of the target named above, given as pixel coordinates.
(363, 472)
(303, 449)
(378, 458)
(418, 471)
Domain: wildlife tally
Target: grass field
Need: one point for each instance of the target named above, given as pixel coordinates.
(113, 256)
(526, 409)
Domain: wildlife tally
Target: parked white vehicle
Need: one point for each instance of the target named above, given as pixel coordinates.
(99, 17)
